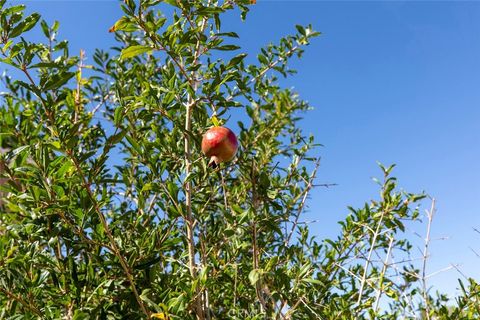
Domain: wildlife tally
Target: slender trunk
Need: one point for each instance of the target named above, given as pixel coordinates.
(192, 265)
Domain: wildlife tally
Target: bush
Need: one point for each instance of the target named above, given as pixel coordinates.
(109, 210)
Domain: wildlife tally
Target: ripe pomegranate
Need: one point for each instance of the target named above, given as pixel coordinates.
(220, 144)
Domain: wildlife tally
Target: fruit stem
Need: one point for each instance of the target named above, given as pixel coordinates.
(213, 163)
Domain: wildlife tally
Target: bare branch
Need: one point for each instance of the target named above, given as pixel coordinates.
(304, 199)
(382, 274)
(425, 257)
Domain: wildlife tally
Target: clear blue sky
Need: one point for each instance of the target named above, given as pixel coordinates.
(391, 81)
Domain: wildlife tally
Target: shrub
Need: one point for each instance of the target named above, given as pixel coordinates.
(109, 209)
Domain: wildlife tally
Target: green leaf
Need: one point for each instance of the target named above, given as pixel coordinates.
(301, 30)
(7, 45)
(57, 80)
(131, 4)
(313, 281)
(13, 9)
(9, 62)
(17, 151)
(45, 28)
(44, 65)
(80, 315)
(172, 2)
(134, 51)
(209, 11)
(228, 232)
(116, 137)
(229, 34)
(118, 116)
(255, 275)
(15, 18)
(25, 25)
(134, 144)
(236, 60)
(144, 297)
(215, 121)
(29, 87)
(146, 265)
(262, 59)
(123, 24)
(228, 47)
(55, 26)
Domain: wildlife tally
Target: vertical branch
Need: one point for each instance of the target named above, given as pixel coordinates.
(192, 265)
(224, 187)
(304, 199)
(201, 306)
(203, 257)
(235, 287)
(430, 214)
(78, 92)
(369, 258)
(382, 275)
(256, 254)
(258, 286)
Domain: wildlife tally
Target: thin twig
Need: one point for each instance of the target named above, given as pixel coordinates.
(476, 253)
(291, 310)
(264, 71)
(304, 199)
(104, 99)
(407, 297)
(459, 271)
(159, 46)
(425, 257)
(439, 271)
(28, 306)
(368, 260)
(382, 274)
(78, 91)
(224, 187)
(256, 253)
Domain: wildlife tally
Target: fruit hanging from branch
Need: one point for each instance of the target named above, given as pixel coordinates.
(220, 144)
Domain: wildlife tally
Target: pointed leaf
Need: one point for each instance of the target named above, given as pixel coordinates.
(25, 25)
(133, 51)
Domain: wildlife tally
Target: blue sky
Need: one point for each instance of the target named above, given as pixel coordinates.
(391, 81)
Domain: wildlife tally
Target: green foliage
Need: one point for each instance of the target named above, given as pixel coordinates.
(109, 210)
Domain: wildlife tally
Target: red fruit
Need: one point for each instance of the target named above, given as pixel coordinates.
(220, 144)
